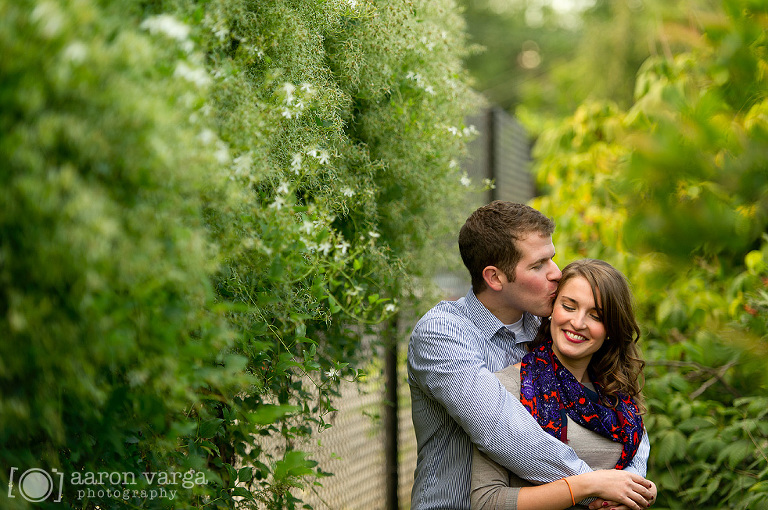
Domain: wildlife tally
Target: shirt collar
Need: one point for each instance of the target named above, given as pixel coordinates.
(489, 324)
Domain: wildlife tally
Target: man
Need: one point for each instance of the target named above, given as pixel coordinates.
(458, 345)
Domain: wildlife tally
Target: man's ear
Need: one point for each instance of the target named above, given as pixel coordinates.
(494, 278)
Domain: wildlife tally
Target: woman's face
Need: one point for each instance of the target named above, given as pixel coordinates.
(577, 331)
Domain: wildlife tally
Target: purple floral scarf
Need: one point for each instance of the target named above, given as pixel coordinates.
(550, 392)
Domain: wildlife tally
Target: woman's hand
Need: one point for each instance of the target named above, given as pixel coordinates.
(602, 504)
(617, 487)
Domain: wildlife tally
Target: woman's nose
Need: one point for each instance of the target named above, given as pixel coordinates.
(578, 321)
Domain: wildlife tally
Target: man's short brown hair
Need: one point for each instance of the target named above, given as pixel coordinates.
(488, 237)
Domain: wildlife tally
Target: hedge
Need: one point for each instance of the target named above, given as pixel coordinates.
(207, 207)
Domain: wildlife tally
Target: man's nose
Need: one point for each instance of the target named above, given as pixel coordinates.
(554, 273)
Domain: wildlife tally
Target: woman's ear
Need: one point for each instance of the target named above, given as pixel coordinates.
(494, 278)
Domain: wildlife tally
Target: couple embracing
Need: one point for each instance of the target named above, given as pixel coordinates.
(525, 392)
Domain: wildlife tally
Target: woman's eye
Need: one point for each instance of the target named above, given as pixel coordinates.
(596, 317)
(567, 308)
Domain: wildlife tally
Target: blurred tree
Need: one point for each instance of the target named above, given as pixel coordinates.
(674, 191)
(518, 45)
(542, 62)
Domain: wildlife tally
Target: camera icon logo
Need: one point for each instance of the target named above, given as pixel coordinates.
(36, 485)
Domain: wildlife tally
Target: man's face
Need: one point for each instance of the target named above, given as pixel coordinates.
(536, 277)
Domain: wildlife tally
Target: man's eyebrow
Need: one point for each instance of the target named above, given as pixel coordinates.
(542, 260)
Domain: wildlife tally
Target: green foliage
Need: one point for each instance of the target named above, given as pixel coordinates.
(207, 207)
(674, 192)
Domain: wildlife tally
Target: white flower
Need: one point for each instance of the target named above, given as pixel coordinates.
(312, 152)
(333, 373)
(283, 188)
(76, 52)
(325, 247)
(222, 33)
(287, 113)
(222, 153)
(471, 130)
(465, 180)
(196, 75)
(255, 50)
(453, 164)
(243, 163)
(374, 235)
(296, 161)
(207, 137)
(289, 88)
(429, 90)
(343, 246)
(324, 157)
(390, 308)
(50, 18)
(278, 204)
(307, 227)
(454, 131)
(348, 192)
(307, 87)
(167, 25)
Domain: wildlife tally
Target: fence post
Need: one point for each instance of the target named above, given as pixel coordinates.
(391, 419)
(490, 126)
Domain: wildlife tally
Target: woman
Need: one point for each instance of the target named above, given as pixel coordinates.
(581, 383)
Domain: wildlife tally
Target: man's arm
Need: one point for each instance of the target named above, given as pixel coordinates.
(449, 368)
(639, 464)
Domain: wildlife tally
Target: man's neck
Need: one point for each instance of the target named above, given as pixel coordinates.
(505, 314)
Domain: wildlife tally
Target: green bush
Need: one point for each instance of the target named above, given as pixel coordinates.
(674, 191)
(207, 208)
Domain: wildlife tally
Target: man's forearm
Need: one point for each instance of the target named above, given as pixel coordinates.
(522, 446)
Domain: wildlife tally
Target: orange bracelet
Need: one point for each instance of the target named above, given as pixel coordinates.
(573, 500)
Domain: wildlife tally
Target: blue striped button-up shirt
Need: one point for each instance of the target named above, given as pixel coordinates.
(457, 400)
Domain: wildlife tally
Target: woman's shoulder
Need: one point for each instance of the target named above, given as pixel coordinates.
(510, 378)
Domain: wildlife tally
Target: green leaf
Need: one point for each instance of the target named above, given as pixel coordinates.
(242, 492)
(245, 474)
(671, 446)
(755, 262)
(294, 464)
(269, 413)
(736, 453)
(711, 488)
(208, 428)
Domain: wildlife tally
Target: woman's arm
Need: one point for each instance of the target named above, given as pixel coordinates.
(491, 490)
(623, 487)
